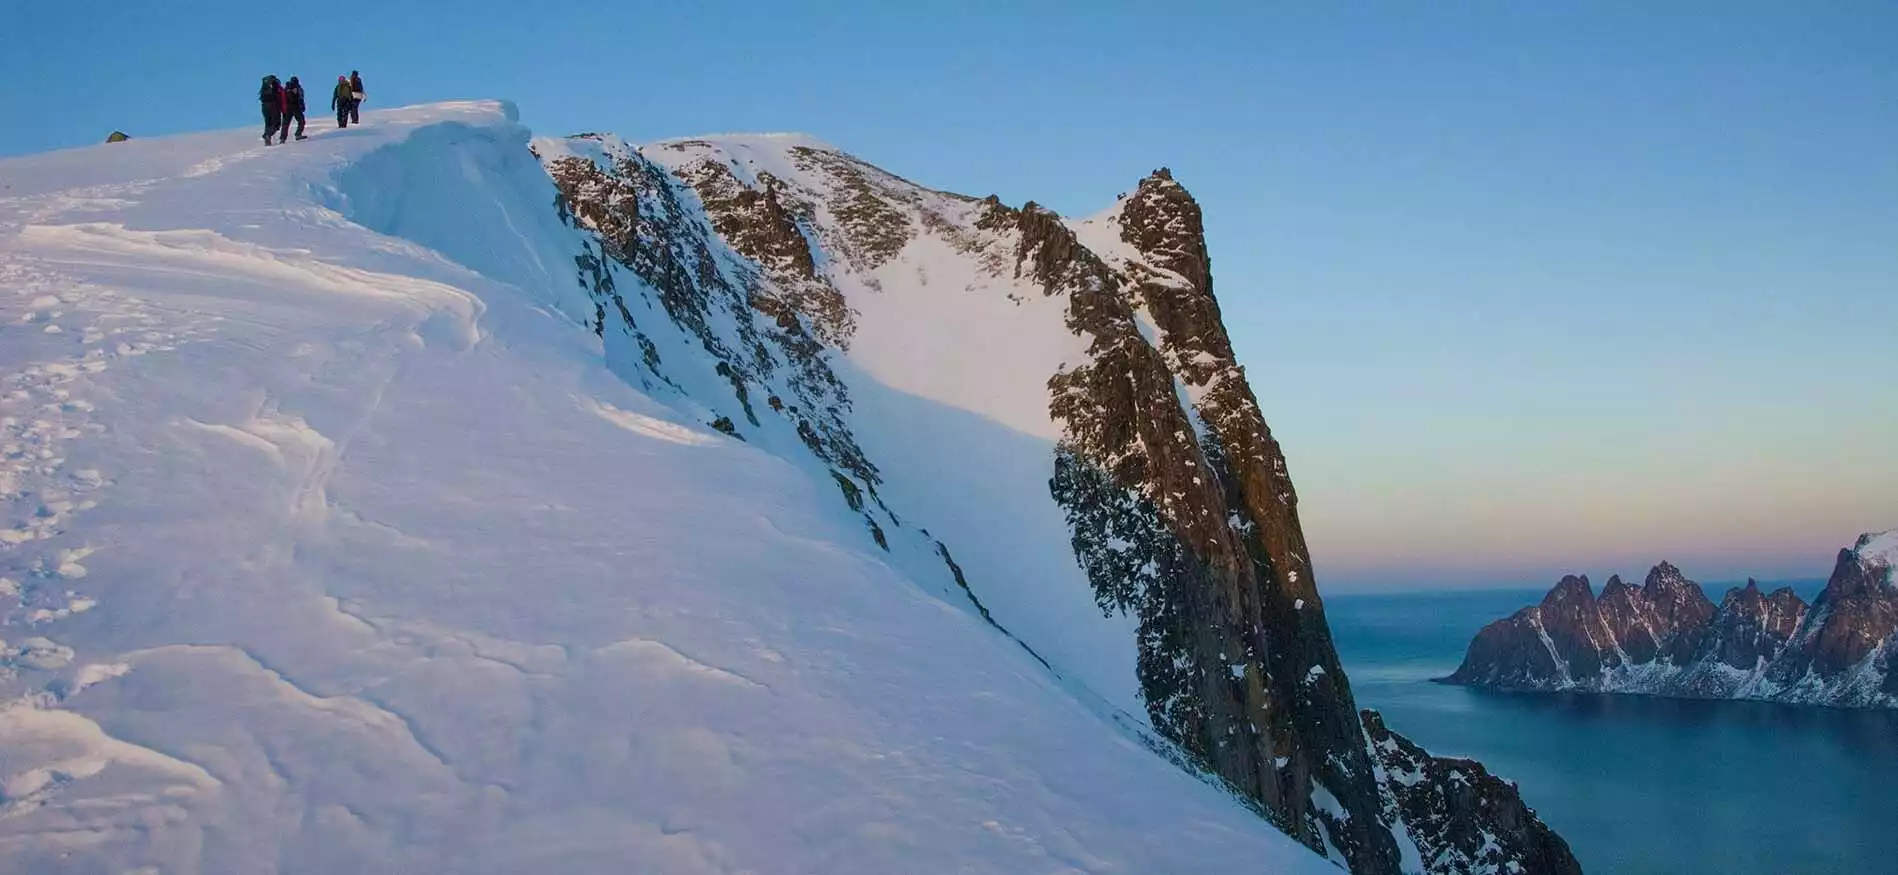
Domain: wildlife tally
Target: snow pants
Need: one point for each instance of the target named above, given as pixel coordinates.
(295, 115)
(273, 121)
(355, 112)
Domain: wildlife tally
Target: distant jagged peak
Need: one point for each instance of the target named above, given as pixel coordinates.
(1667, 638)
(1571, 586)
(1665, 576)
(1866, 568)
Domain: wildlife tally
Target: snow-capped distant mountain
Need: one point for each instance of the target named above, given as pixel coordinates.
(1666, 638)
(398, 501)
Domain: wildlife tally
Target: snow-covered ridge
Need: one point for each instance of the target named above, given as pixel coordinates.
(392, 563)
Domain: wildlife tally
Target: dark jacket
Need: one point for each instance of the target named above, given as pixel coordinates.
(355, 84)
(271, 94)
(293, 97)
(340, 98)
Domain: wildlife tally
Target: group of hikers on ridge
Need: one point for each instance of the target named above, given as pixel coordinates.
(283, 103)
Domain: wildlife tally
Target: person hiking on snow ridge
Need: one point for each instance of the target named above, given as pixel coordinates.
(355, 97)
(270, 96)
(292, 109)
(341, 101)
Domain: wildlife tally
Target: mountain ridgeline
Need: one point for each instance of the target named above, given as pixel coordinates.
(781, 256)
(1667, 638)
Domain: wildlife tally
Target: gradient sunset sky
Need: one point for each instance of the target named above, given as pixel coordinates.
(1524, 288)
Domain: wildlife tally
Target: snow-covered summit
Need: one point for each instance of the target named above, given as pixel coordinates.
(429, 497)
(332, 542)
(1880, 549)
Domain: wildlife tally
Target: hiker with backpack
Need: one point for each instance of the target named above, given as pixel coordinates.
(292, 109)
(355, 97)
(270, 96)
(342, 101)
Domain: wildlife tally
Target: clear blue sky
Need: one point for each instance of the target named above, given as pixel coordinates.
(1523, 287)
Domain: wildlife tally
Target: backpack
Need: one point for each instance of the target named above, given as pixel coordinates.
(270, 91)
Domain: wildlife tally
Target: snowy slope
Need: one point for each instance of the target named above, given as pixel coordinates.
(949, 366)
(333, 541)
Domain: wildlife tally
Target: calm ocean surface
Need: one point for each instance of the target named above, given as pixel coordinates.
(1636, 784)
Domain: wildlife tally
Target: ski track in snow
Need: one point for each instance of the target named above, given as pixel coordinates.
(322, 550)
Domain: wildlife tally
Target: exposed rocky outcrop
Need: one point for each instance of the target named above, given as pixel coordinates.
(1180, 508)
(1463, 818)
(1843, 653)
(1666, 638)
(1236, 656)
(641, 218)
(1752, 628)
(1184, 516)
(757, 223)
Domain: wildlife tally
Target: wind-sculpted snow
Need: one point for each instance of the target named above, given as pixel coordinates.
(336, 540)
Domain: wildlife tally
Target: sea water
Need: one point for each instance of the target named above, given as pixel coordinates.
(1636, 784)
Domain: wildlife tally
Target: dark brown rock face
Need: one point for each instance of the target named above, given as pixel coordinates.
(1185, 517)
(1235, 663)
(1850, 628)
(643, 220)
(1465, 819)
(1511, 654)
(1752, 629)
(757, 223)
(1630, 620)
(1578, 635)
(1680, 609)
(1667, 639)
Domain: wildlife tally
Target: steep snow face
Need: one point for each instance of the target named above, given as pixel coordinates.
(934, 323)
(347, 528)
(949, 362)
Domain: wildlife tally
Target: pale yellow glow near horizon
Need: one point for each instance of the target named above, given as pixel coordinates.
(1773, 500)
